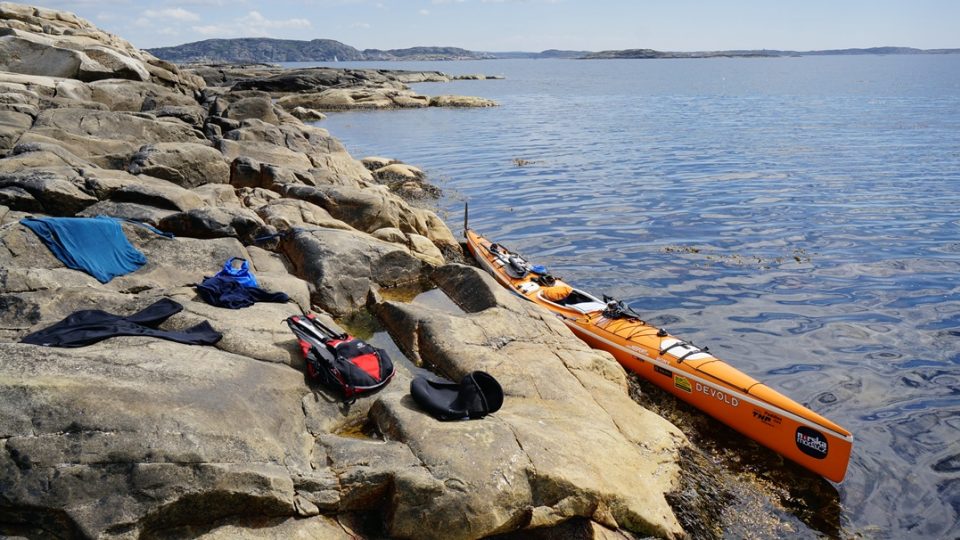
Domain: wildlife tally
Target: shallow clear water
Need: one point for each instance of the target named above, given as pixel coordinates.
(801, 216)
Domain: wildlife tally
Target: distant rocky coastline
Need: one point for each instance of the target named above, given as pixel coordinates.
(289, 50)
(137, 437)
(760, 53)
(250, 50)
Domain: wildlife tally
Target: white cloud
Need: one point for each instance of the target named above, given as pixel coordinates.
(177, 14)
(213, 3)
(255, 18)
(441, 2)
(334, 3)
(361, 25)
(71, 4)
(251, 24)
(424, 12)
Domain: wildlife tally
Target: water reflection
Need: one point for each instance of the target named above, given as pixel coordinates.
(437, 299)
(372, 331)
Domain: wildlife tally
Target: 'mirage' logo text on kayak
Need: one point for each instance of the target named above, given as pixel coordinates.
(811, 442)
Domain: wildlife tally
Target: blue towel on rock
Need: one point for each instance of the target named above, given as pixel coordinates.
(95, 245)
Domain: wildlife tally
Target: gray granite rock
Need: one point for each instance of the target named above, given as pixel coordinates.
(51, 190)
(185, 164)
(101, 136)
(46, 42)
(259, 108)
(585, 404)
(285, 214)
(265, 153)
(307, 115)
(222, 434)
(143, 213)
(123, 187)
(120, 95)
(344, 266)
(217, 222)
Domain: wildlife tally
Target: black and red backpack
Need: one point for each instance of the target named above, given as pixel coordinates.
(341, 361)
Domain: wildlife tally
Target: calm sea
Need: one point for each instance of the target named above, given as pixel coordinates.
(801, 216)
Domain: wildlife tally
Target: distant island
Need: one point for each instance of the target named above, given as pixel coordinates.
(650, 53)
(245, 50)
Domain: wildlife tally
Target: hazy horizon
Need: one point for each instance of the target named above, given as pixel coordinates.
(535, 25)
(865, 47)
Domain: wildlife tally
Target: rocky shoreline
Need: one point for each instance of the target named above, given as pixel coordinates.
(135, 437)
(329, 89)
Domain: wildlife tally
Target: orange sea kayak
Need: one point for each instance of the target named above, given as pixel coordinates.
(679, 367)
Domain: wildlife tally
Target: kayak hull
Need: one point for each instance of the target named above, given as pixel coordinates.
(686, 371)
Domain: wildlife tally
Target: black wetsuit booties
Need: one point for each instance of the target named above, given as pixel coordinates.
(93, 325)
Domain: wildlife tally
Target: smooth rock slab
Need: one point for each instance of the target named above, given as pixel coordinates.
(121, 95)
(143, 213)
(252, 107)
(254, 332)
(115, 125)
(344, 266)
(55, 191)
(105, 137)
(478, 475)
(39, 155)
(145, 433)
(12, 125)
(185, 164)
(265, 153)
(175, 262)
(461, 101)
(221, 222)
(365, 468)
(366, 209)
(28, 56)
(218, 195)
(123, 187)
(601, 458)
(286, 529)
(286, 214)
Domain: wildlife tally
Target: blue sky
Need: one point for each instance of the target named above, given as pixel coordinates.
(535, 25)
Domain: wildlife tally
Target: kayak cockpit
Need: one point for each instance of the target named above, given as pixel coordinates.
(579, 301)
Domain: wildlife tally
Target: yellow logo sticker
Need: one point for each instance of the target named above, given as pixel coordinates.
(682, 383)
